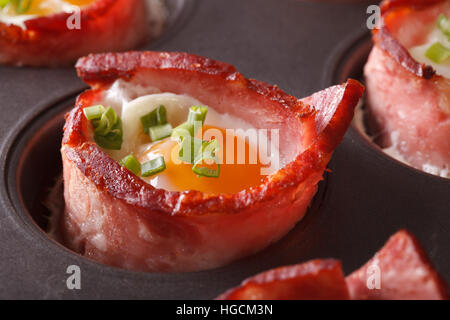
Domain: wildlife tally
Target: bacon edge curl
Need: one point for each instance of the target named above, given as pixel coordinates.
(384, 38)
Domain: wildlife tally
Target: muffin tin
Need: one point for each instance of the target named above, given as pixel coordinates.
(303, 46)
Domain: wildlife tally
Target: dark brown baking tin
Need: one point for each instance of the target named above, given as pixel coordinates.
(303, 46)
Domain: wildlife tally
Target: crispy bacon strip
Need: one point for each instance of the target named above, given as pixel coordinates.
(406, 273)
(401, 265)
(313, 280)
(115, 217)
(106, 25)
(388, 43)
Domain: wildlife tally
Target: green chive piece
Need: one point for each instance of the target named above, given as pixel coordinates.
(3, 3)
(94, 112)
(107, 122)
(444, 25)
(153, 167)
(156, 117)
(107, 126)
(437, 53)
(197, 113)
(21, 6)
(185, 129)
(189, 148)
(196, 119)
(206, 172)
(148, 121)
(111, 142)
(25, 5)
(131, 163)
(207, 151)
(113, 139)
(160, 132)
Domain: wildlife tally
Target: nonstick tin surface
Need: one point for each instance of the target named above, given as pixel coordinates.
(302, 46)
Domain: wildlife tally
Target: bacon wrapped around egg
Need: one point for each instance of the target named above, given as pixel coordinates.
(408, 83)
(57, 32)
(173, 218)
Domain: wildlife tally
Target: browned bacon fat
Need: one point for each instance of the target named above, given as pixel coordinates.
(115, 217)
(408, 100)
(402, 268)
(105, 25)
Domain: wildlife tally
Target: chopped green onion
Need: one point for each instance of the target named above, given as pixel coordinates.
(207, 152)
(156, 117)
(197, 113)
(94, 112)
(3, 3)
(196, 119)
(161, 114)
(107, 127)
(155, 124)
(437, 53)
(107, 122)
(160, 132)
(21, 6)
(183, 130)
(189, 148)
(444, 25)
(131, 163)
(206, 172)
(110, 141)
(153, 167)
(113, 139)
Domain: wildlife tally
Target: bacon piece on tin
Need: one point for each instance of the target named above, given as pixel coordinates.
(405, 273)
(312, 280)
(399, 271)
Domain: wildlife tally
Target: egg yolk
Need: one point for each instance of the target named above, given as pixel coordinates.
(234, 177)
(46, 7)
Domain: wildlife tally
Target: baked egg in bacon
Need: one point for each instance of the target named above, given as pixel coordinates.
(242, 160)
